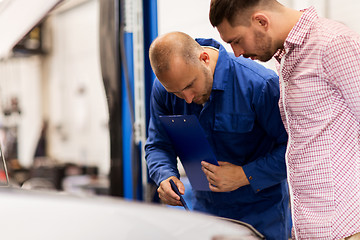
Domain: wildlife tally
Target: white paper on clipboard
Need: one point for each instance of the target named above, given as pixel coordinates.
(191, 145)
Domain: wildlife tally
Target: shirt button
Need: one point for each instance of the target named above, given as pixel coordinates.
(250, 178)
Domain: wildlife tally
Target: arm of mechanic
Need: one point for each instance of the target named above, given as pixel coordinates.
(159, 153)
(270, 169)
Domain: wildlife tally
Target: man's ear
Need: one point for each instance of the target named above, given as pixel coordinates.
(204, 57)
(260, 19)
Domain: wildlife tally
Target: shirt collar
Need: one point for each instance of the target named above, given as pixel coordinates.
(298, 33)
(221, 74)
(279, 54)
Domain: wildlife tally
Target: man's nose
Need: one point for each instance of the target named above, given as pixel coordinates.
(188, 96)
(237, 50)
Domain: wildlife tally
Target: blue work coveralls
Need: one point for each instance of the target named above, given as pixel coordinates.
(243, 125)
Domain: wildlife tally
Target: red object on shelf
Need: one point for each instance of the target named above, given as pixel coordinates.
(2, 176)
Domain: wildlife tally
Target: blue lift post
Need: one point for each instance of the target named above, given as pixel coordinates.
(132, 154)
(127, 83)
(150, 33)
(127, 117)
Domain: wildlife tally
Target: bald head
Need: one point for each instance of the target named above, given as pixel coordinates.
(170, 46)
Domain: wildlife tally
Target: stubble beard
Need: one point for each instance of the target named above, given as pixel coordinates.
(264, 45)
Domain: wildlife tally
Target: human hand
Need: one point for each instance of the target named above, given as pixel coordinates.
(167, 195)
(224, 178)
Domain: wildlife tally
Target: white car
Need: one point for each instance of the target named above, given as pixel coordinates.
(39, 215)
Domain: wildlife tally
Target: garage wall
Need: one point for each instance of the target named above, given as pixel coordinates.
(20, 79)
(77, 110)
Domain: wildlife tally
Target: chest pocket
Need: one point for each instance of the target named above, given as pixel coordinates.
(234, 123)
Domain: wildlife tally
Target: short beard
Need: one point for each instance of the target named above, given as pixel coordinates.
(264, 45)
(208, 87)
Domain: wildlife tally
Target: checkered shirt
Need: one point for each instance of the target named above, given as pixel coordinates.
(320, 108)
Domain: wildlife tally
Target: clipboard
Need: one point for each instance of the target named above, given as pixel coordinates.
(191, 146)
